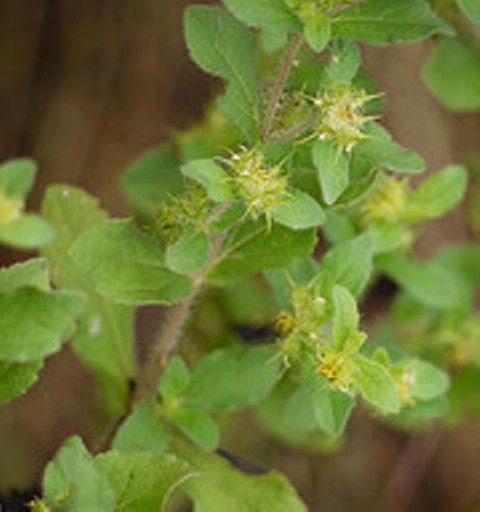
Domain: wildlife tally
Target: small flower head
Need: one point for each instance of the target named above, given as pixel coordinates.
(10, 208)
(387, 202)
(305, 9)
(405, 383)
(261, 187)
(341, 114)
(335, 367)
(176, 212)
(284, 323)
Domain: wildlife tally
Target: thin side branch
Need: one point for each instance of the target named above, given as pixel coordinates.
(289, 59)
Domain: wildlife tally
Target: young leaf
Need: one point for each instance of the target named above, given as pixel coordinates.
(141, 481)
(175, 379)
(150, 178)
(430, 381)
(425, 281)
(332, 166)
(299, 211)
(34, 322)
(453, 74)
(16, 378)
(29, 231)
(380, 151)
(72, 483)
(437, 194)
(253, 247)
(103, 340)
(128, 265)
(220, 487)
(17, 176)
(273, 15)
(212, 177)
(331, 408)
(344, 62)
(345, 319)
(189, 253)
(471, 8)
(385, 22)
(221, 45)
(350, 263)
(32, 273)
(317, 31)
(231, 378)
(376, 385)
(198, 426)
(142, 431)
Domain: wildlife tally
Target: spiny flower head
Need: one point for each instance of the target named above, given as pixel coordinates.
(341, 114)
(10, 208)
(176, 212)
(261, 187)
(387, 202)
(305, 9)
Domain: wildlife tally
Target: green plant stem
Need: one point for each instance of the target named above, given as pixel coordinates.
(291, 53)
(165, 344)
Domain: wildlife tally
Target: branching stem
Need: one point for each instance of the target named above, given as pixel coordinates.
(291, 53)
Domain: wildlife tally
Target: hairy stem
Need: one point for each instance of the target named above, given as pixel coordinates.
(289, 59)
(165, 344)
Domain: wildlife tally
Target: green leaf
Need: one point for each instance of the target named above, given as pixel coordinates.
(273, 15)
(175, 379)
(221, 45)
(471, 8)
(376, 385)
(16, 378)
(189, 253)
(34, 322)
(17, 176)
(317, 31)
(29, 231)
(127, 265)
(232, 378)
(453, 74)
(104, 339)
(385, 22)
(345, 320)
(350, 263)
(220, 488)
(141, 482)
(72, 483)
(344, 61)
(331, 408)
(198, 426)
(425, 281)
(32, 272)
(437, 194)
(380, 151)
(253, 247)
(142, 431)
(151, 178)
(430, 381)
(212, 177)
(299, 211)
(332, 166)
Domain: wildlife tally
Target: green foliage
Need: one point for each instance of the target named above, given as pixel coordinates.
(104, 338)
(222, 46)
(384, 22)
(291, 153)
(453, 74)
(127, 264)
(72, 482)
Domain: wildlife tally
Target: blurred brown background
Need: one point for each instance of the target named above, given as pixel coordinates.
(85, 86)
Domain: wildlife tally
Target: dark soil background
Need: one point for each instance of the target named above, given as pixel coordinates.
(87, 85)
